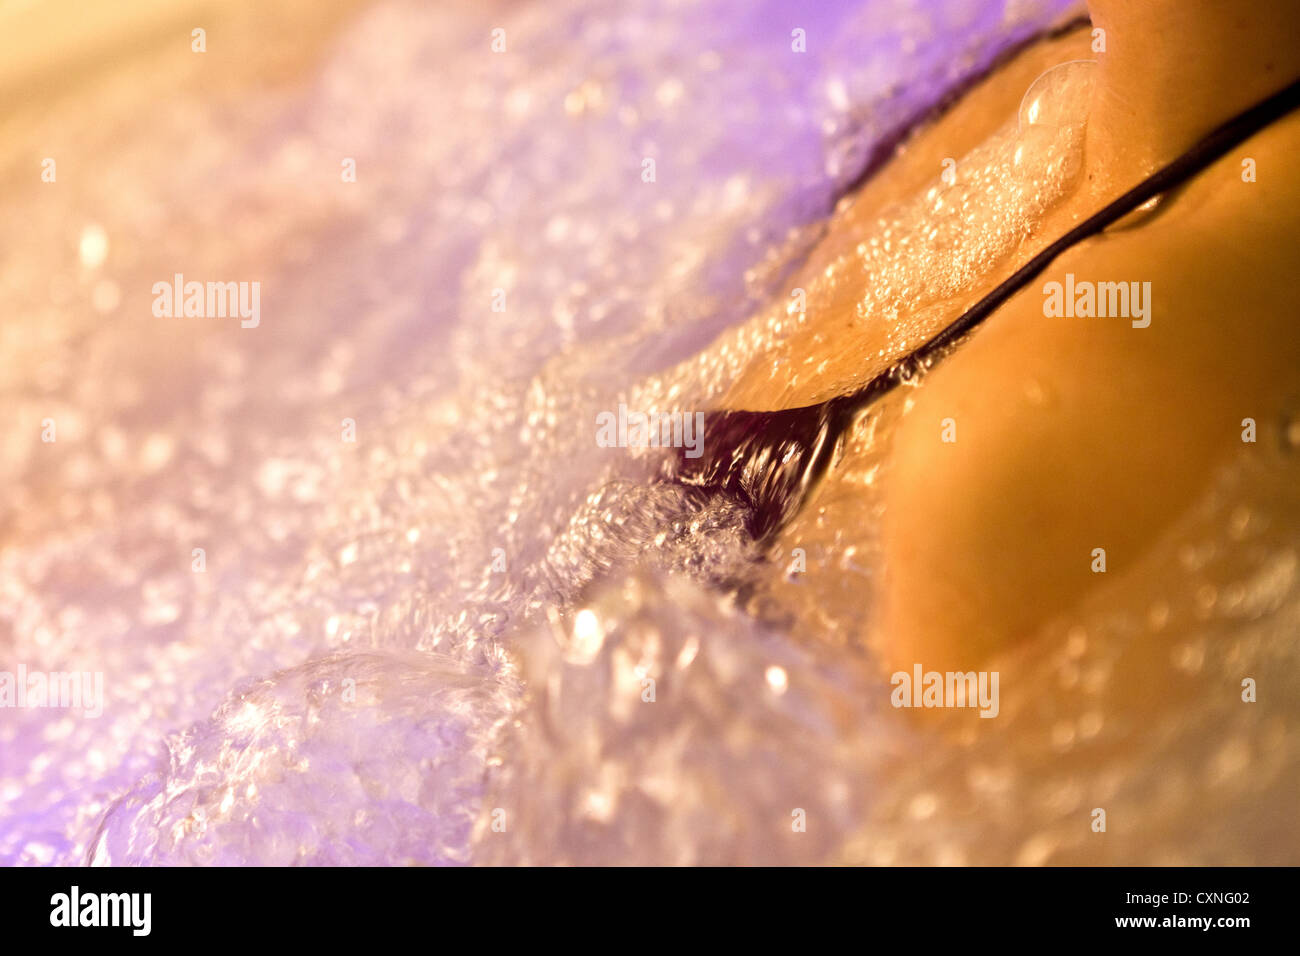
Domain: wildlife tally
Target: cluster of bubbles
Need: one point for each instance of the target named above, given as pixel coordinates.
(432, 645)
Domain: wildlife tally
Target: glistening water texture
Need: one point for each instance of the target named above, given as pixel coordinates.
(457, 614)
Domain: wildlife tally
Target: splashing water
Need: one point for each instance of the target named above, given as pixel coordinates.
(472, 634)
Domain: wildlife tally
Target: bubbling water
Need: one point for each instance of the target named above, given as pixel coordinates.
(433, 645)
(905, 273)
(916, 260)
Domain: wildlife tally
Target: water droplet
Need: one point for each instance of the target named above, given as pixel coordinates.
(1053, 99)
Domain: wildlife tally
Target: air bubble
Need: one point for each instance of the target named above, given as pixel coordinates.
(1053, 100)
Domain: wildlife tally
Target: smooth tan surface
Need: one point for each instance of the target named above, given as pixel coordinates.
(1133, 426)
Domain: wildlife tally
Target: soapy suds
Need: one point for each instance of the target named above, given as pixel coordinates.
(388, 642)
